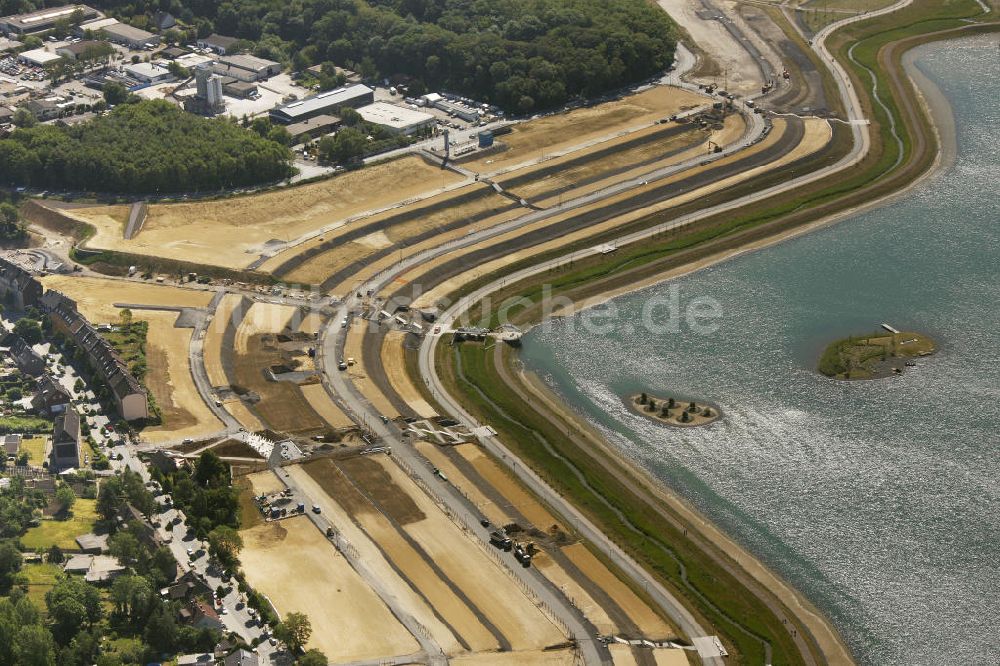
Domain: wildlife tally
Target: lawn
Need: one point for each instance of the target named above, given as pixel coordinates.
(35, 448)
(41, 579)
(62, 532)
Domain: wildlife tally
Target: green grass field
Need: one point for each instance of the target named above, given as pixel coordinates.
(41, 579)
(35, 448)
(62, 532)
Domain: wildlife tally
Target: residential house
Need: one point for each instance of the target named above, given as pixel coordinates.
(18, 285)
(11, 444)
(28, 361)
(50, 397)
(65, 442)
(241, 658)
(129, 396)
(202, 616)
(93, 544)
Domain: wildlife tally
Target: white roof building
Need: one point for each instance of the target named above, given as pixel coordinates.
(397, 119)
(38, 57)
(147, 72)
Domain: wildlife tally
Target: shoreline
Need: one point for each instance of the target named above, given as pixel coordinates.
(824, 632)
(942, 122)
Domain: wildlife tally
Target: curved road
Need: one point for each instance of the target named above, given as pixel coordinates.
(347, 395)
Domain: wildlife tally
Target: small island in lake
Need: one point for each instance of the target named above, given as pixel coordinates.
(880, 354)
(674, 412)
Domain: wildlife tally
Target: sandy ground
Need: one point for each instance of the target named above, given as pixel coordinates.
(376, 561)
(649, 623)
(621, 655)
(671, 657)
(490, 588)
(394, 363)
(242, 414)
(352, 349)
(95, 296)
(623, 158)
(265, 483)
(262, 318)
(214, 334)
(575, 592)
(318, 268)
(488, 507)
(372, 240)
(299, 570)
(169, 379)
(733, 128)
(312, 323)
(523, 658)
(319, 400)
(234, 232)
(713, 39)
(544, 136)
(527, 505)
(817, 134)
(350, 284)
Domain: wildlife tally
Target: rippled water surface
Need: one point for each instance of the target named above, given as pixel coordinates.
(880, 500)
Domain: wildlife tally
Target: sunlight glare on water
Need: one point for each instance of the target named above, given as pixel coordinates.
(879, 500)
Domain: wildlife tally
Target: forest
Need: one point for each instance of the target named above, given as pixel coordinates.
(524, 55)
(142, 147)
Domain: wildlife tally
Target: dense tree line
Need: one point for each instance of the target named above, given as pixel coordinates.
(142, 147)
(205, 496)
(521, 54)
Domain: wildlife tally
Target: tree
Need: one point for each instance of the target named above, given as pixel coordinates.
(114, 93)
(345, 146)
(294, 631)
(54, 555)
(161, 630)
(133, 599)
(65, 497)
(10, 221)
(126, 547)
(24, 118)
(313, 658)
(109, 499)
(643, 398)
(224, 543)
(210, 471)
(72, 605)
(33, 646)
(29, 329)
(10, 565)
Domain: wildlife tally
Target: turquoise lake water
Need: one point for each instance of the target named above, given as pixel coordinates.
(880, 500)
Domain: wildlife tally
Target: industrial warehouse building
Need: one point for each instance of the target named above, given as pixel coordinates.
(324, 104)
(246, 67)
(75, 51)
(39, 57)
(44, 19)
(314, 127)
(149, 73)
(221, 44)
(133, 38)
(396, 119)
(94, 27)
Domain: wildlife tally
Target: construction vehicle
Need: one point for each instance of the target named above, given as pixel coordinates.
(499, 539)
